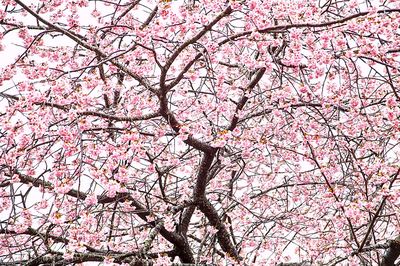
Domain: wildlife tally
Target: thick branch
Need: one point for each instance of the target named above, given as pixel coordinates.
(392, 253)
(223, 235)
(201, 179)
(119, 118)
(176, 126)
(208, 210)
(244, 99)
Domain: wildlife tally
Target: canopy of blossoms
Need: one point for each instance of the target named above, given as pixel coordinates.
(254, 132)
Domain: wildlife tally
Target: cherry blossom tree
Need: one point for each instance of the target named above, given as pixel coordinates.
(254, 132)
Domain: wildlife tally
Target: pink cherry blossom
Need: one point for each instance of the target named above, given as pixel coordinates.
(191, 132)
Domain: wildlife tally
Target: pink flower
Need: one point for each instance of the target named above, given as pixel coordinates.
(391, 116)
(43, 204)
(391, 102)
(252, 5)
(112, 189)
(91, 200)
(95, 13)
(354, 103)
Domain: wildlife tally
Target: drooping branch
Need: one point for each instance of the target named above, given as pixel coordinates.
(183, 250)
(89, 113)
